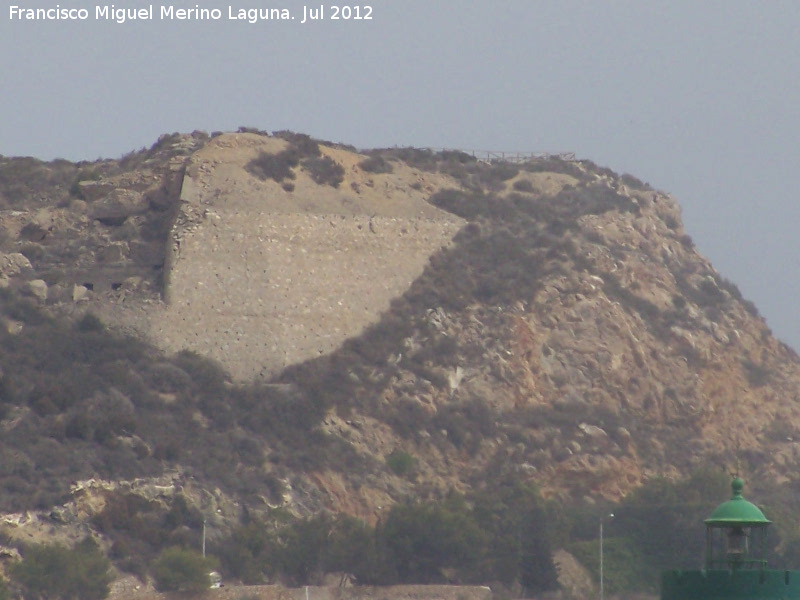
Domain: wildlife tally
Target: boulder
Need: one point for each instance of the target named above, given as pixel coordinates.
(79, 293)
(94, 190)
(117, 206)
(14, 264)
(38, 289)
(13, 326)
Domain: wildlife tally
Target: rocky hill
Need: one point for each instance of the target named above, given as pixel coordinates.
(267, 320)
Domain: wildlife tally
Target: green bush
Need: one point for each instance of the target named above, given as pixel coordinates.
(634, 182)
(757, 375)
(246, 129)
(401, 463)
(181, 570)
(274, 166)
(518, 534)
(554, 165)
(423, 539)
(88, 174)
(300, 143)
(671, 222)
(467, 205)
(139, 529)
(53, 571)
(501, 534)
(324, 171)
(417, 158)
(168, 378)
(376, 164)
(297, 551)
(524, 185)
(349, 545)
(624, 568)
(300, 550)
(208, 375)
(456, 157)
(245, 554)
(28, 182)
(279, 167)
(494, 175)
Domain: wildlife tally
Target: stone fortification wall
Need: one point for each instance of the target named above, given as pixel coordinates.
(260, 292)
(259, 278)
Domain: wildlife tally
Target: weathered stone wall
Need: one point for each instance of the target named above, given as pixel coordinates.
(259, 292)
(259, 278)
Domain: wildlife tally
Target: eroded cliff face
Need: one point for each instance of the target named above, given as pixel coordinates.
(632, 360)
(630, 357)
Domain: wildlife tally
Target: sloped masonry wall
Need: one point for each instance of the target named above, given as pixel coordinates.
(259, 291)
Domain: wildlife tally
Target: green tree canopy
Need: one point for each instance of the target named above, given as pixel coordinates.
(245, 555)
(56, 572)
(513, 515)
(300, 549)
(349, 546)
(425, 538)
(182, 570)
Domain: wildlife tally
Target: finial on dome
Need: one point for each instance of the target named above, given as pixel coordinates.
(737, 485)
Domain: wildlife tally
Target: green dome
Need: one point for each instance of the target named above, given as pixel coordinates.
(737, 511)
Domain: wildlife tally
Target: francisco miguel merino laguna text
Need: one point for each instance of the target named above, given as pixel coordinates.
(168, 12)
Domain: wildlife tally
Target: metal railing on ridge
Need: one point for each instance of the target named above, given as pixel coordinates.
(512, 157)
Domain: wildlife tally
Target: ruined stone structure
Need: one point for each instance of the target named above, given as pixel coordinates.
(259, 277)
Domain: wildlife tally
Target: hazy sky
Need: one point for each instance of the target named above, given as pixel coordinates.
(699, 99)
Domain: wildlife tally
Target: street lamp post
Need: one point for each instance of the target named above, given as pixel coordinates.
(610, 516)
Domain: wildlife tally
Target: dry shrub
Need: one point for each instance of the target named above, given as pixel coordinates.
(324, 171)
(376, 164)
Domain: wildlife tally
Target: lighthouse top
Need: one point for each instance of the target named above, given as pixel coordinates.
(737, 512)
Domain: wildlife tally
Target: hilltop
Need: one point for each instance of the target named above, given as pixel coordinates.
(255, 321)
